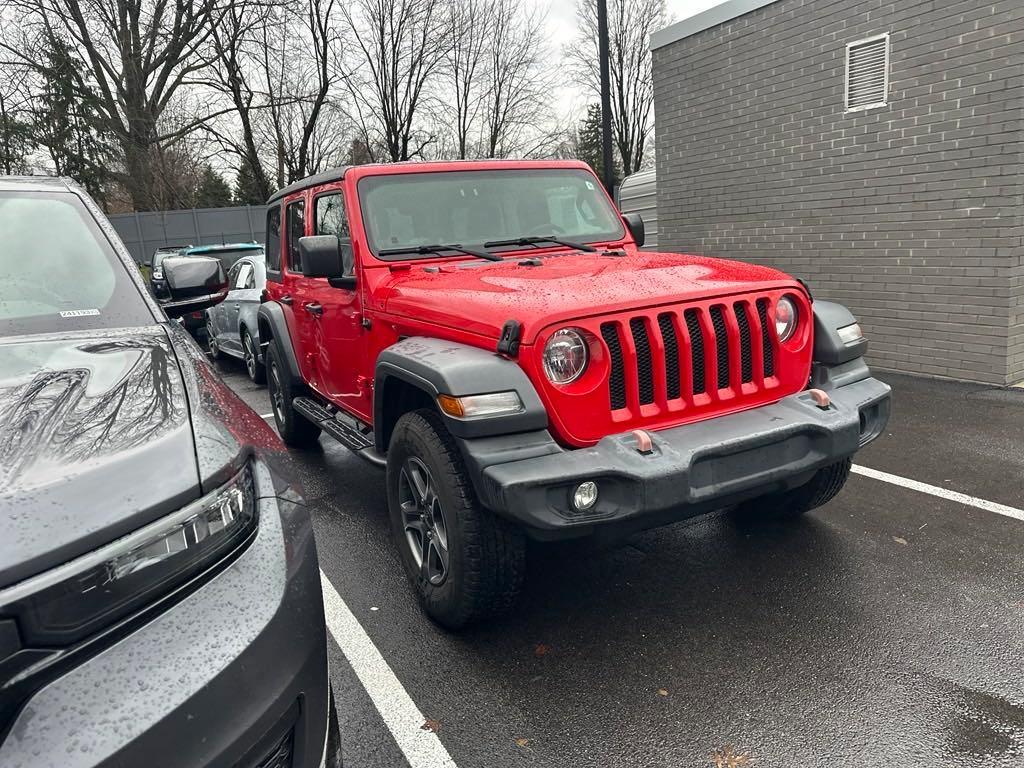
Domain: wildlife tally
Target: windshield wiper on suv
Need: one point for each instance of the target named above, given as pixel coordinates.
(425, 249)
(537, 240)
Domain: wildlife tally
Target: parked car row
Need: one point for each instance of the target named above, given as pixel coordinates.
(228, 254)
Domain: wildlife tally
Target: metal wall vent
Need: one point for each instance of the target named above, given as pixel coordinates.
(867, 73)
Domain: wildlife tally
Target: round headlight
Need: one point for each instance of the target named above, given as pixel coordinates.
(785, 318)
(565, 356)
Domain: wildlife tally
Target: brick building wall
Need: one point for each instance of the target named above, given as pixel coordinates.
(911, 213)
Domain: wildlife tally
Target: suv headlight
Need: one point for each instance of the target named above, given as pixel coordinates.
(77, 599)
(785, 318)
(158, 274)
(565, 356)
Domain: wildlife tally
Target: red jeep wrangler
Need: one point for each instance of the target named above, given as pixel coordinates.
(490, 332)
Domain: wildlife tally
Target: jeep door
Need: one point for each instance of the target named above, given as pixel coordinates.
(338, 331)
(302, 292)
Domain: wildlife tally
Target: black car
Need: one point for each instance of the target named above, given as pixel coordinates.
(157, 283)
(160, 599)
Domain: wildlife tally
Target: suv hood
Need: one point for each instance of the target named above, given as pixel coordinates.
(480, 296)
(95, 441)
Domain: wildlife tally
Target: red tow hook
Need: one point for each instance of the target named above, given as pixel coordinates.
(644, 444)
(821, 398)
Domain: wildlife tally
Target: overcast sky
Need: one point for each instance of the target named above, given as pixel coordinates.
(561, 18)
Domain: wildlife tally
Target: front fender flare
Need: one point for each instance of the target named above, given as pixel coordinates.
(441, 367)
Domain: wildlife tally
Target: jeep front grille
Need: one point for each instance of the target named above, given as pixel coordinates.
(718, 351)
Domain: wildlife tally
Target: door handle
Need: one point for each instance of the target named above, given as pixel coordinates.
(314, 309)
(286, 299)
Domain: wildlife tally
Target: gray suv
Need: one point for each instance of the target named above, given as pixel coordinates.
(160, 599)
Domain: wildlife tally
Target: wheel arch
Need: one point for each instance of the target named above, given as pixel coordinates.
(273, 329)
(413, 372)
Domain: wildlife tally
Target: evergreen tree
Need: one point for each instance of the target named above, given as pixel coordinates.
(247, 190)
(65, 122)
(588, 144)
(212, 191)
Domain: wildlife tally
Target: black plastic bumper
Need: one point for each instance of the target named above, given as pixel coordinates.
(692, 468)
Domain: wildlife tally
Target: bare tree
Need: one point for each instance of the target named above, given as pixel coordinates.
(401, 46)
(235, 40)
(470, 22)
(300, 67)
(138, 54)
(630, 24)
(519, 80)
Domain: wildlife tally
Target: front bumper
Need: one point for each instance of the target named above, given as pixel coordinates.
(692, 468)
(232, 675)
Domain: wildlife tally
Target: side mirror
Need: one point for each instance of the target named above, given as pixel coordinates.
(322, 257)
(635, 225)
(193, 284)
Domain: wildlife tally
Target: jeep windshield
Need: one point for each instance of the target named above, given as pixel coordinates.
(58, 271)
(404, 211)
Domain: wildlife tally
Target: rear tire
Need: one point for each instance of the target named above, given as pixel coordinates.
(256, 370)
(465, 564)
(790, 505)
(211, 342)
(295, 430)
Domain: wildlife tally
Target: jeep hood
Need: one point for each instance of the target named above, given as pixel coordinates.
(95, 441)
(480, 296)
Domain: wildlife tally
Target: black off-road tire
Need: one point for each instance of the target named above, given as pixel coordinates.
(295, 430)
(486, 555)
(257, 371)
(790, 505)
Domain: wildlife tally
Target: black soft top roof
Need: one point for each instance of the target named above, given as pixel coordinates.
(335, 174)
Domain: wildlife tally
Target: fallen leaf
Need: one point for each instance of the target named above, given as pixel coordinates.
(431, 725)
(541, 650)
(662, 692)
(900, 540)
(522, 742)
(727, 757)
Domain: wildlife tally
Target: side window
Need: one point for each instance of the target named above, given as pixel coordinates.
(274, 239)
(331, 219)
(244, 277)
(330, 215)
(296, 224)
(233, 276)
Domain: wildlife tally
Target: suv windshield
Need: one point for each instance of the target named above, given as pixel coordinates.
(58, 272)
(474, 207)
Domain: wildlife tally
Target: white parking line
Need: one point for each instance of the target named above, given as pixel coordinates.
(942, 493)
(266, 415)
(422, 748)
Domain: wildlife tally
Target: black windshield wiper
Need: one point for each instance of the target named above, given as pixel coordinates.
(425, 249)
(536, 240)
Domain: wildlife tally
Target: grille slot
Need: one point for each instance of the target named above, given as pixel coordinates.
(696, 350)
(721, 346)
(768, 354)
(668, 338)
(617, 377)
(645, 376)
(746, 353)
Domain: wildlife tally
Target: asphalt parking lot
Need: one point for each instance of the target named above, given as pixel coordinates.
(885, 629)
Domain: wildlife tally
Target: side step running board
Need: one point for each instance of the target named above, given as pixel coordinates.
(351, 433)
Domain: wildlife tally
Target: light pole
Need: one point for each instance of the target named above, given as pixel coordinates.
(606, 96)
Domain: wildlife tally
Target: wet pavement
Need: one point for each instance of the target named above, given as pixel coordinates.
(885, 629)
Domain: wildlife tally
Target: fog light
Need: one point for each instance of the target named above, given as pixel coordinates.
(585, 495)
